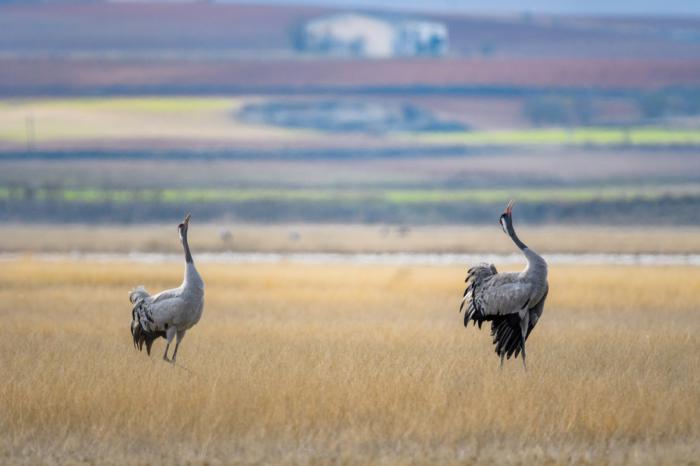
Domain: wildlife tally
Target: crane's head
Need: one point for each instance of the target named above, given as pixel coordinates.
(182, 228)
(506, 219)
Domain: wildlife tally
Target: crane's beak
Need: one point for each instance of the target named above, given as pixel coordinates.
(182, 228)
(509, 208)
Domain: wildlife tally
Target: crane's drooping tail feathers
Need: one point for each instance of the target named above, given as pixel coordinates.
(140, 330)
(476, 278)
(507, 335)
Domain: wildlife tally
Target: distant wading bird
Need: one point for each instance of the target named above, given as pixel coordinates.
(513, 302)
(169, 313)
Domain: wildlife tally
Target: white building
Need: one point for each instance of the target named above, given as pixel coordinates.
(360, 35)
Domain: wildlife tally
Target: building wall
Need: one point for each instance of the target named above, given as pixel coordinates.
(351, 34)
(367, 36)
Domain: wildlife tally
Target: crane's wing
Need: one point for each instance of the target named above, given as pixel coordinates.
(151, 315)
(490, 294)
(506, 331)
(167, 294)
(477, 279)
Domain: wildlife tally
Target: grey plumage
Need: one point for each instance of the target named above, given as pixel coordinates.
(512, 302)
(169, 313)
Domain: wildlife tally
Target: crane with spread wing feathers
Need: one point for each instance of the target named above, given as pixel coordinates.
(169, 313)
(513, 302)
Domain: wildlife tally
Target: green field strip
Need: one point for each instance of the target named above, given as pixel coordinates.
(211, 118)
(642, 136)
(391, 196)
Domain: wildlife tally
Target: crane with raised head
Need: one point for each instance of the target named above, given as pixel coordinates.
(170, 313)
(512, 301)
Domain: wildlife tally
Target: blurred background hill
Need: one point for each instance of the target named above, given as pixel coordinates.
(410, 114)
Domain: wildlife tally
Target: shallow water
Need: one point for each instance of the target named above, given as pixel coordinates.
(407, 258)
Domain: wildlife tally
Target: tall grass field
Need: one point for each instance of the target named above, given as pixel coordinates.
(330, 364)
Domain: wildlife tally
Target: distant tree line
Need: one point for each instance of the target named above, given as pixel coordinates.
(670, 102)
(559, 110)
(579, 109)
(640, 211)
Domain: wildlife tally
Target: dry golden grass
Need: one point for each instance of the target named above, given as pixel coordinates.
(349, 365)
(348, 238)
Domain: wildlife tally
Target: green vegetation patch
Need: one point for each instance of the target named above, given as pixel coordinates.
(575, 136)
(391, 196)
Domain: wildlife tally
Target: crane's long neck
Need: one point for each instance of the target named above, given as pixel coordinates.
(186, 246)
(192, 278)
(536, 266)
(514, 237)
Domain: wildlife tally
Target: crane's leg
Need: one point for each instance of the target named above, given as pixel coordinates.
(180, 336)
(524, 324)
(503, 354)
(169, 335)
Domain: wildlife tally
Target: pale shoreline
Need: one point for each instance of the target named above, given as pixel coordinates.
(234, 237)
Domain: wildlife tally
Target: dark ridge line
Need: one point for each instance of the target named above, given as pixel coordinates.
(241, 154)
(313, 90)
(202, 155)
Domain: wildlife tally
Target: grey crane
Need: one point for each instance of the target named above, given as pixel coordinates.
(169, 313)
(513, 302)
